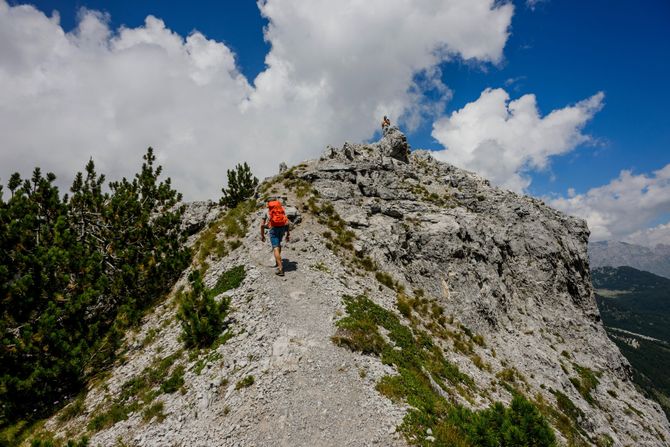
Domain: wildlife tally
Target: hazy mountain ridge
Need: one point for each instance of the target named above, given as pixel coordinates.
(490, 289)
(616, 254)
(635, 307)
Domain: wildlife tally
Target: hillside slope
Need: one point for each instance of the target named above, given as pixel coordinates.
(459, 294)
(635, 307)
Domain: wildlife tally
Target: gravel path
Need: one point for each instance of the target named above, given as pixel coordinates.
(312, 392)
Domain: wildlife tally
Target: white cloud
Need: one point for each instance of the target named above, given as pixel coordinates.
(651, 237)
(333, 70)
(503, 139)
(619, 209)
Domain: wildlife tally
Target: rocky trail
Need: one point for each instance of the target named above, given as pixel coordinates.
(306, 392)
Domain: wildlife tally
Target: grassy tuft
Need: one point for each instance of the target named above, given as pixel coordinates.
(586, 382)
(139, 392)
(604, 440)
(230, 279)
(231, 226)
(404, 306)
(245, 383)
(175, 381)
(154, 411)
(568, 408)
(385, 279)
(74, 409)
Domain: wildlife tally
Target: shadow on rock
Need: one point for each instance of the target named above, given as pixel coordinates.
(289, 266)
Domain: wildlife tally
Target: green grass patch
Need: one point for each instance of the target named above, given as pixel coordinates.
(155, 410)
(569, 429)
(211, 357)
(479, 340)
(72, 410)
(18, 432)
(404, 306)
(175, 381)
(425, 379)
(117, 412)
(567, 418)
(230, 279)
(422, 193)
(604, 440)
(364, 262)
(224, 233)
(245, 383)
(386, 280)
(140, 391)
(586, 382)
(508, 375)
(150, 337)
(339, 236)
(321, 267)
(568, 407)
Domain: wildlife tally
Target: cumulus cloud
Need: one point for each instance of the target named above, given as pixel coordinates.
(333, 69)
(651, 237)
(503, 139)
(619, 209)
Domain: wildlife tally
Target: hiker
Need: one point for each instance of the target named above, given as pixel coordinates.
(277, 222)
(385, 123)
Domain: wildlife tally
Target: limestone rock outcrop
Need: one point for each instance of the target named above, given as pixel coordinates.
(394, 144)
(505, 270)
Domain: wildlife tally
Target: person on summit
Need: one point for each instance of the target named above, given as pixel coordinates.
(277, 222)
(385, 123)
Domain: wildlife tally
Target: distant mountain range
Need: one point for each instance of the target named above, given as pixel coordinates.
(616, 254)
(635, 308)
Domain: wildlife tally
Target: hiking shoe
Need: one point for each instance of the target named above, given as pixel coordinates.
(279, 273)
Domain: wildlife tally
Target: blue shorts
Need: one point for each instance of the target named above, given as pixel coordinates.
(276, 235)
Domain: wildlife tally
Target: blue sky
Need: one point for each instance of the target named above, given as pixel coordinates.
(562, 52)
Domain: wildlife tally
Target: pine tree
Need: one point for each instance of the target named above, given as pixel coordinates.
(74, 273)
(241, 186)
(200, 315)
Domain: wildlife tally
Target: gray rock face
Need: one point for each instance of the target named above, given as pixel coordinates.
(394, 144)
(616, 254)
(505, 267)
(198, 214)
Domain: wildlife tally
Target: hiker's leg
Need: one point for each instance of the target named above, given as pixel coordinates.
(277, 252)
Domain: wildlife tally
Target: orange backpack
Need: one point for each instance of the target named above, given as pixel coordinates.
(277, 214)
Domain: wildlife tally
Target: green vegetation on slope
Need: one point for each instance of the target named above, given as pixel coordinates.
(140, 392)
(425, 380)
(223, 235)
(201, 316)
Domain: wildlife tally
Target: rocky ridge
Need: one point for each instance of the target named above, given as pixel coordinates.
(509, 276)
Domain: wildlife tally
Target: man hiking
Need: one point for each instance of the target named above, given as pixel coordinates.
(385, 123)
(277, 222)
